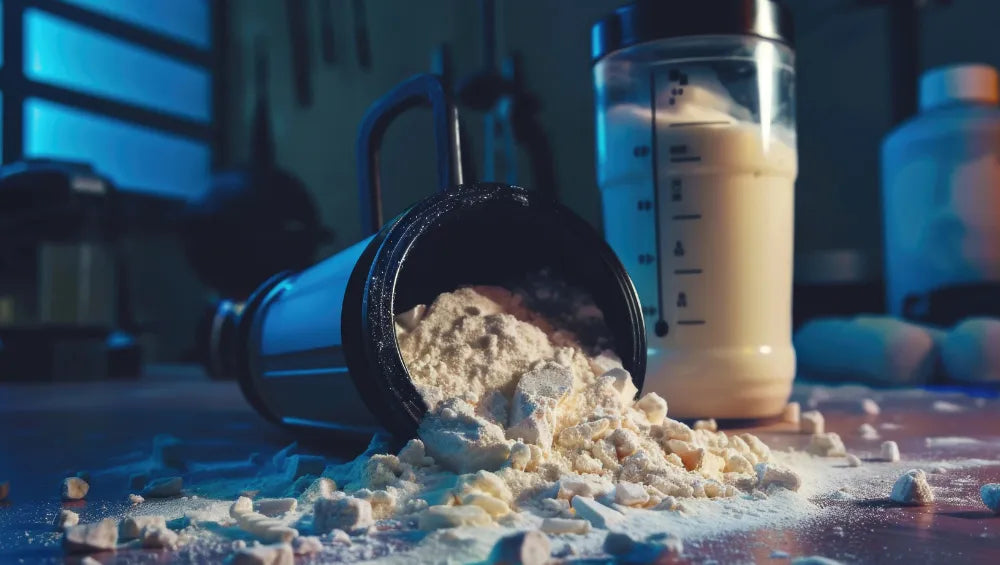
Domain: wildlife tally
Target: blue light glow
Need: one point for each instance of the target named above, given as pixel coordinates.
(133, 157)
(186, 20)
(62, 53)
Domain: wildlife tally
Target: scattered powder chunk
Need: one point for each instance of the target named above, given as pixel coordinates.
(990, 493)
(135, 499)
(264, 528)
(654, 407)
(74, 488)
(89, 538)
(911, 488)
(438, 517)
(243, 505)
(709, 424)
(771, 475)
(277, 554)
(870, 407)
(414, 453)
(491, 504)
(565, 526)
(811, 422)
(890, 451)
(533, 408)
(158, 537)
(66, 518)
(868, 432)
(945, 406)
(792, 413)
(631, 494)
(853, 460)
(522, 548)
(464, 442)
(778, 554)
(349, 513)
(599, 515)
(131, 527)
(164, 487)
(826, 444)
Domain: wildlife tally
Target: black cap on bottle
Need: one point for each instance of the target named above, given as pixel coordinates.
(649, 20)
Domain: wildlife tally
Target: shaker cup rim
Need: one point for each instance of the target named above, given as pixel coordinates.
(650, 20)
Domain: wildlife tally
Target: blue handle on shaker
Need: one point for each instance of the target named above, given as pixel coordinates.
(418, 90)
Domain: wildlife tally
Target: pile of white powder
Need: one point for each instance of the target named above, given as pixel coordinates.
(514, 395)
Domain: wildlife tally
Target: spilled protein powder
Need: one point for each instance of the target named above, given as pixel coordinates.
(517, 402)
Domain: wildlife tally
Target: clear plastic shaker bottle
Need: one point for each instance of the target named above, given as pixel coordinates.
(696, 162)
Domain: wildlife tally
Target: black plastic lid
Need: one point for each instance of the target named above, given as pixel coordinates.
(649, 20)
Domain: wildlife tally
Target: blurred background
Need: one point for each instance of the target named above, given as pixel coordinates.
(140, 104)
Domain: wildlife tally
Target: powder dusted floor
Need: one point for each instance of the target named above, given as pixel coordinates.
(51, 431)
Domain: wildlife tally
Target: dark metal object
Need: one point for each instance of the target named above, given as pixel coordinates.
(326, 36)
(63, 266)
(650, 20)
(362, 43)
(298, 32)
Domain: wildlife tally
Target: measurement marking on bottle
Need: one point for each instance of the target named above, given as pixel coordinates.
(696, 124)
(690, 322)
(660, 327)
(687, 216)
(686, 159)
(687, 271)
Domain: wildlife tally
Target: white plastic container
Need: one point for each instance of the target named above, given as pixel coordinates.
(941, 188)
(696, 161)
